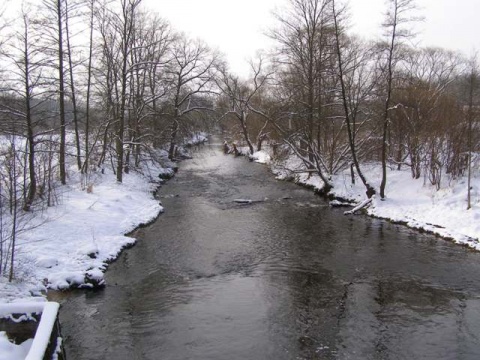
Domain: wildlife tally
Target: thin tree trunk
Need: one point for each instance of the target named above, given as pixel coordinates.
(62, 96)
(470, 129)
(243, 121)
(385, 119)
(14, 217)
(30, 136)
(72, 89)
(89, 84)
(173, 139)
(370, 190)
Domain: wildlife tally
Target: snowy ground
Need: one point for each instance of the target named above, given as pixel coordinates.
(414, 203)
(9, 350)
(70, 244)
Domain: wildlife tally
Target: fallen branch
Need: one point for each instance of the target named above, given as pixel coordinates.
(310, 171)
(247, 201)
(338, 203)
(360, 206)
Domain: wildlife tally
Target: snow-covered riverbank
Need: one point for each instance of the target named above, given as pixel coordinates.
(413, 202)
(69, 245)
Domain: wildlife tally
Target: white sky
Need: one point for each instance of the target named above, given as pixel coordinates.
(237, 27)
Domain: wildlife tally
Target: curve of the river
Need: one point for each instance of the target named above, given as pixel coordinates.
(283, 278)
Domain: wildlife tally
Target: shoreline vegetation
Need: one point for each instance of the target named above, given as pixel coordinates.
(412, 202)
(99, 224)
(70, 245)
(85, 113)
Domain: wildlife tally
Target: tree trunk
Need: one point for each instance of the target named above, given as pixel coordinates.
(351, 140)
(173, 140)
(72, 89)
(470, 130)
(243, 121)
(30, 136)
(89, 84)
(63, 175)
(14, 217)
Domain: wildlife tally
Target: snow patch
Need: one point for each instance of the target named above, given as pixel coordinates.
(70, 245)
(261, 157)
(409, 201)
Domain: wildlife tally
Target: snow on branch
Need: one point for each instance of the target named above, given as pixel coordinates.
(360, 206)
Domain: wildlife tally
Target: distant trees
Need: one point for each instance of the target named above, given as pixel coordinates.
(338, 102)
(354, 86)
(397, 17)
(242, 100)
(190, 73)
(24, 97)
(102, 87)
(108, 82)
(425, 107)
(304, 61)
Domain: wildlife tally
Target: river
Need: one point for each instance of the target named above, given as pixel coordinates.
(287, 277)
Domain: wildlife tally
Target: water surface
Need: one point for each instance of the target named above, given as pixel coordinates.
(284, 278)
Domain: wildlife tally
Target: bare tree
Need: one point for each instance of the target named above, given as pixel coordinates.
(473, 78)
(398, 15)
(117, 29)
(161, 39)
(151, 40)
(303, 59)
(56, 9)
(127, 26)
(73, 95)
(420, 123)
(91, 13)
(25, 80)
(350, 105)
(191, 74)
(240, 100)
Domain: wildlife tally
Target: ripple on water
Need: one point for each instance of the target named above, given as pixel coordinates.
(288, 278)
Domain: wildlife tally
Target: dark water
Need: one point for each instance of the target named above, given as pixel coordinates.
(279, 279)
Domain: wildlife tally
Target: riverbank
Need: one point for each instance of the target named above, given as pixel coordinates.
(282, 277)
(411, 202)
(71, 244)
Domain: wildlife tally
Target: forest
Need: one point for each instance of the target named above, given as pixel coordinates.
(96, 86)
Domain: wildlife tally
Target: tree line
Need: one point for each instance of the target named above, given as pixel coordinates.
(338, 101)
(102, 83)
(108, 82)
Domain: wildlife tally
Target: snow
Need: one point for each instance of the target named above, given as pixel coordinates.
(196, 139)
(261, 157)
(11, 351)
(44, 331)
(69, 245)
(413, 202)
(21, 307)
(358, 207)
(31, 349)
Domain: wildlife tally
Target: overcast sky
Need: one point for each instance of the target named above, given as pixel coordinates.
(237, 27)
